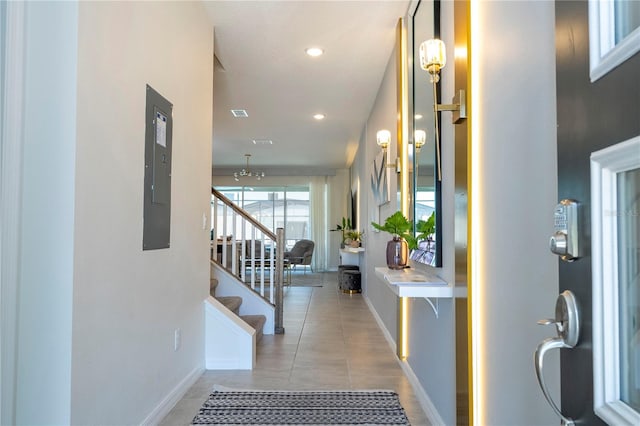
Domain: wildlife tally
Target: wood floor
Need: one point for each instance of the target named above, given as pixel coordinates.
(331, 341)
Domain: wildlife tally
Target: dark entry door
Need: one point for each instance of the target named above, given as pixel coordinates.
(591, 116)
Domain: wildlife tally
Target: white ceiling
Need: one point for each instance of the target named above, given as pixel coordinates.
(261, 46)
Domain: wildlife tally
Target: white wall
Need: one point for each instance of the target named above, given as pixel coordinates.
(47, 234)
(126, 302)
(515, 192)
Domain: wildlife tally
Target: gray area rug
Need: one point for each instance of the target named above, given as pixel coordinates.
(313, 279)
(306, 279)
(261, 408)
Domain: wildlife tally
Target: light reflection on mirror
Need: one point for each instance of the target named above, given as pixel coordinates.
(426, 186)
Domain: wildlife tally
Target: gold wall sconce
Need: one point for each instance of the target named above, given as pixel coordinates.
(432, 59)
(383, 139)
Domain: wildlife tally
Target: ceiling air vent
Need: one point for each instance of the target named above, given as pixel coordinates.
(239, 113)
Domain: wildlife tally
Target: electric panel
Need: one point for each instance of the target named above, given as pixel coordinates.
(157, 171)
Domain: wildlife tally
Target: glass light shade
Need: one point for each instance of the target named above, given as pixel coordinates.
(383, 137)
(420, 137)
(432, 55)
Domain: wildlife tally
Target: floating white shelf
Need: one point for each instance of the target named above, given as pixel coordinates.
(411, 283)
(352, 250)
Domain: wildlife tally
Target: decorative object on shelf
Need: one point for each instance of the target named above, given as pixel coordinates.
(397, 249)
(246, 172)
(354, 238)
(343, 227)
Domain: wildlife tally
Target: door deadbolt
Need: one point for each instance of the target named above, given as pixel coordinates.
(564, 241)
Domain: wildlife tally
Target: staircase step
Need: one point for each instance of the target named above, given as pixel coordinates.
(213, 283)
(256, 322)
(231, 302)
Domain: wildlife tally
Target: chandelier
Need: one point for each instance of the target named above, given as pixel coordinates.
(246, 172)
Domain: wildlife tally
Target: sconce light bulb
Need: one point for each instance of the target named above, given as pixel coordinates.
(433, 57)
(383, 138)
(420, 138)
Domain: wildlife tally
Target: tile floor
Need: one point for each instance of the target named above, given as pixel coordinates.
(331, 341)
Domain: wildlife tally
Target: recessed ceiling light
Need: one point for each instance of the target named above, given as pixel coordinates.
(239, 113)
(314, 51)
(262, 142)
(418, 116)
(319, 116)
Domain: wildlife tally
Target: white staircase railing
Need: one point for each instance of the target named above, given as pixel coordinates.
(249, 250)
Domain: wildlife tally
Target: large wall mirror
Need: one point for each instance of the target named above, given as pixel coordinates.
(424, 24)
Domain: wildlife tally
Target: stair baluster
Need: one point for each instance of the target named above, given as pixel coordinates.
(256, 258)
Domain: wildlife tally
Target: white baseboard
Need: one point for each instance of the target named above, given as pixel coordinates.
(172, 398)
(423, 398)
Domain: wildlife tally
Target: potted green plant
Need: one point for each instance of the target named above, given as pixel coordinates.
(343, 227)
(354, 237)
(397, 249)
(426, 229)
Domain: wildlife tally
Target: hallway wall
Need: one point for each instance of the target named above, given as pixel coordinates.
(127, 302)
(515, 157)
(383, 116)
(514, 190)
(96, 314)
(431, 347)
(44, 288)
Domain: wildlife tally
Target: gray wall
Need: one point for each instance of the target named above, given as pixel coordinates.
(514, 187)
(431, 339)
(383, 116)
(515, 276)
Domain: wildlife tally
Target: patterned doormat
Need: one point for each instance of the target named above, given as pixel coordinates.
(373, 408)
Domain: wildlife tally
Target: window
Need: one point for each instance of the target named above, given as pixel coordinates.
(275, 207)
(614, 34)
(615, 250)
(628, 201)
(425, 203)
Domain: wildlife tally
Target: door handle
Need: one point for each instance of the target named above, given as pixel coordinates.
(567, 322)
